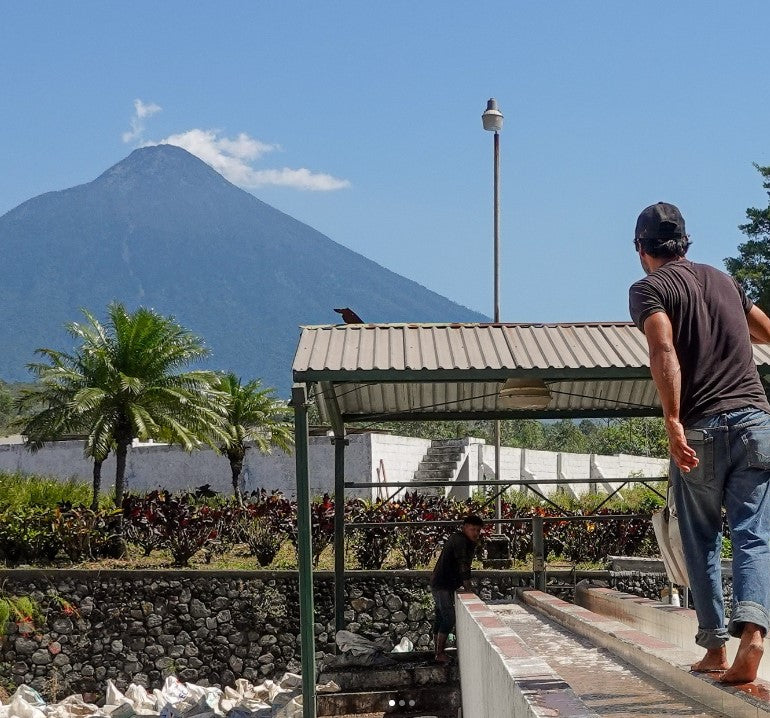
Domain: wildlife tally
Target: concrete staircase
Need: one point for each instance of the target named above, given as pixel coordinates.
(440, 463)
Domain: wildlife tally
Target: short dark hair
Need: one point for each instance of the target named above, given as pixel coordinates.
(665, 249)
(473, 520)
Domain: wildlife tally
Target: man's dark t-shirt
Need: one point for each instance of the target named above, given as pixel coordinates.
(707, 309)
(454, 564)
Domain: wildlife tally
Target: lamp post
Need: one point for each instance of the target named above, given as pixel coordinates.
(492, 120)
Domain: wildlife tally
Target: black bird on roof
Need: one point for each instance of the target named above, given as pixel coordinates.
(349, 316)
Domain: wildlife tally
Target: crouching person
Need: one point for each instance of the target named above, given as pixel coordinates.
(452, 571)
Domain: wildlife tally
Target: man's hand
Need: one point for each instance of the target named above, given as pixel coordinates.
(681, 452)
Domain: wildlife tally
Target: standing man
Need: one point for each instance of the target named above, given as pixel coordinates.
(699, 326)
(452, 570)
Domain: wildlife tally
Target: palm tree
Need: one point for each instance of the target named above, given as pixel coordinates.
(253, 415)
(54, 408)
(123, 383)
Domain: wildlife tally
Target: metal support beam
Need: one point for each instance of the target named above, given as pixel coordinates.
(305, 551)
(340, 442)
(538, 552)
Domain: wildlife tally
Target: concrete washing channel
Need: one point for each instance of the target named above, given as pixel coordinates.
(609, 654)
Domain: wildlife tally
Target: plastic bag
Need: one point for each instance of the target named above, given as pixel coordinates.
(404, 646)
(666, 526)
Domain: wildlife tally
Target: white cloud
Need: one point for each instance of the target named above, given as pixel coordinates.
(141, 111)
(301, 179)
(234, 158)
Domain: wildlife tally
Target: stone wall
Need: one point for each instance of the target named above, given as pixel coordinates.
(211, 627)
(205, 627)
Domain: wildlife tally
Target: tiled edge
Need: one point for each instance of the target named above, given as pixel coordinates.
(672, 624)
(537, 691)
(664, 661)
(661, 619)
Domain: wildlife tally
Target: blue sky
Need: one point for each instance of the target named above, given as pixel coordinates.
(363, 120)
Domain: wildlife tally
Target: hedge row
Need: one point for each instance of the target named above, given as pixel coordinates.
(189, 524)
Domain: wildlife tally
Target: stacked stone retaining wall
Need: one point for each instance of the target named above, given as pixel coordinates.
(210, 627)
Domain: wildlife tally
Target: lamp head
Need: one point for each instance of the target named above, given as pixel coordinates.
(492, 119)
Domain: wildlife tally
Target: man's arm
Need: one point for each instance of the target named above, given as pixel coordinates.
(464, 559)
(759, 325)
(666, 373)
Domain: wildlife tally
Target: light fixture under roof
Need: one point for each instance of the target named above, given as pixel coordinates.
(524, 394)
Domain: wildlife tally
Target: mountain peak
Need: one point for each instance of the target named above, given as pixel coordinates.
(162, 229)
(160, 161)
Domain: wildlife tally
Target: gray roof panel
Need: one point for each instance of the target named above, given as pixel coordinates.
(426, 370)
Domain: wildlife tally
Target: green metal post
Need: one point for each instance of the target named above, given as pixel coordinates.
(340, 442)
(538, 552)
(305, 551)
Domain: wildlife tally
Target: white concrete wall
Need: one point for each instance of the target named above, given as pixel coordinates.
(575, 466)
(151, 466)
(510, 462)
(485, 682)
(499, 676)
(623, 466)
(396, 458)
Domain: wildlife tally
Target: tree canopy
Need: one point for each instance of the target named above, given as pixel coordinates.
(253, 414)
(124, 381)
(633, 435)
(752, 267)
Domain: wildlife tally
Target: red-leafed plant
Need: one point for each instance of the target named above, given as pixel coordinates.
(321, 522)
(369, 544)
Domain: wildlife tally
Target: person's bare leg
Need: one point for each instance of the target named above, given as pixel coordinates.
(746, 663)
(714, 660)
(441, 654)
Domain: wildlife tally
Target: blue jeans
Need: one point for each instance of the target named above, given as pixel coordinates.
(734, 471)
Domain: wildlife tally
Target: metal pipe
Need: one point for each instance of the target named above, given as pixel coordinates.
(497, 227)
(498, 482)
(305, 552)
(512, 520)
(538, 552)
(340, 442)
(499, 498)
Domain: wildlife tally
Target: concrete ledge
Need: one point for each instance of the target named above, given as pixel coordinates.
(498, 674)
(661, 659)
(669, 623)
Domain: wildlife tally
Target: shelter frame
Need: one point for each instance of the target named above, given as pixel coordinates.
(400, 372)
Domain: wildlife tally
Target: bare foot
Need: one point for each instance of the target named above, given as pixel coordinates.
(746, 663)
(714, 660)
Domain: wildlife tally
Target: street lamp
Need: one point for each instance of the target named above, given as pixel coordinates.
(492, 120)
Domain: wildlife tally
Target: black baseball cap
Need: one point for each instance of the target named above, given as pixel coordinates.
(661, 221)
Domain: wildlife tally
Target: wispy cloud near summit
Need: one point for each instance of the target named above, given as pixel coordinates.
(141, 112)
(234, 158)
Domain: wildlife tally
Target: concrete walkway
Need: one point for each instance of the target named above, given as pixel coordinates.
(540, 657)
(606, 684)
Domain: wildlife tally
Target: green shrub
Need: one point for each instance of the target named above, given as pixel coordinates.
(23, 490)
(27, 535)
(85, 534)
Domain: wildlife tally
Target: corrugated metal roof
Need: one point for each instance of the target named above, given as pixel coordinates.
(445, 369)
